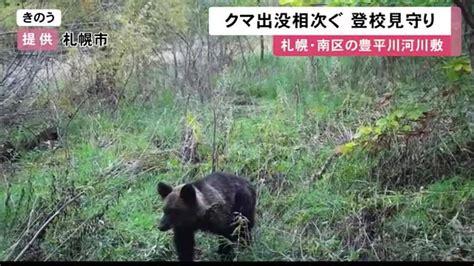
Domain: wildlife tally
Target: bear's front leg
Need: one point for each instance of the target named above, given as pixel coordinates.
(184, 243)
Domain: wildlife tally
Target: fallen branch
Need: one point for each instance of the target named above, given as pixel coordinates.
(25, 232)
(46, 224)
(75, 231)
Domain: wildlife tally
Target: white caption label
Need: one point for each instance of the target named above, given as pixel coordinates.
(38, 17)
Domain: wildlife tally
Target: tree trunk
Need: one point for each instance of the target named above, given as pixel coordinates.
(314, 72)
(262, 45)
(468, 5)
(176, 69)
(468, 16)
(471, 53)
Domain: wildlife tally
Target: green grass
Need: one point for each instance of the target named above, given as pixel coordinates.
(281, 136)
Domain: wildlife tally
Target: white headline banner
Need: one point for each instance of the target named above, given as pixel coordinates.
(330, 21)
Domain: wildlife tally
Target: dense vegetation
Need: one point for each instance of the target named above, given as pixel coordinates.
(352, 158)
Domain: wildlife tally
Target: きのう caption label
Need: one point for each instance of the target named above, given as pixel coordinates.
(38, 17)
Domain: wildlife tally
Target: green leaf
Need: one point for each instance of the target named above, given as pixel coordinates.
(467, 68)
(406, 128)
(378, 131)
(381, 122)
(452, 75)
(286, 2)
(414, 114)
(366, 130)
(399, 113)
(347, 148)
(458, 67)
(394, 124)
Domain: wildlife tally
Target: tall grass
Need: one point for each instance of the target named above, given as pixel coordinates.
(277, 124)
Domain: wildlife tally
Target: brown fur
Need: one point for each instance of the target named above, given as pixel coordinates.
(208, 205)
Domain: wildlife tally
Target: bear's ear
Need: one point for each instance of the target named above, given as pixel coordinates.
(188, 194)
(164, 189)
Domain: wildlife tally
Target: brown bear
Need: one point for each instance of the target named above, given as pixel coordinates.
(211, 204)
